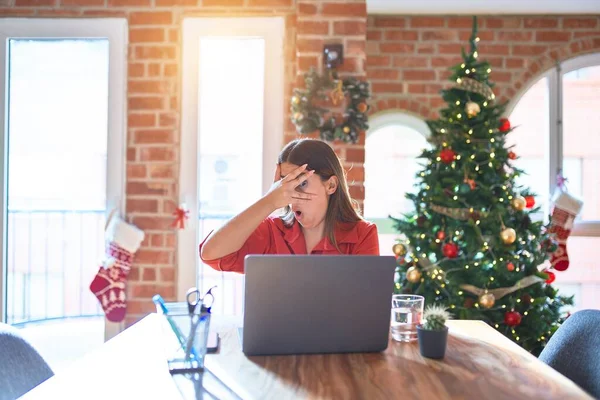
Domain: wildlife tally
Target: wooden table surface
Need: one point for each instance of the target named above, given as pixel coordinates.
(480, 363)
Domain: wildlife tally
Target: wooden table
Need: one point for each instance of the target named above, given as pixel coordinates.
(480, 363)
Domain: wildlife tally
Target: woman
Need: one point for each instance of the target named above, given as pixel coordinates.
(319, 217)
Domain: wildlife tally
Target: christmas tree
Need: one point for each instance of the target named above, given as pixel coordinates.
(471, 243)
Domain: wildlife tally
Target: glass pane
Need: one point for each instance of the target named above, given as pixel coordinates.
(391, 164)
(581, 144)
(530, 138)
(231, 106)
(57, 130)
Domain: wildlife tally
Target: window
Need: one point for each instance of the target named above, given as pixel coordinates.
(393, 143)
(231, 134)
(557, 130)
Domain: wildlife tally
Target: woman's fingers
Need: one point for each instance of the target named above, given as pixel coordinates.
(295, 173)
(303, 177)
(303, 196)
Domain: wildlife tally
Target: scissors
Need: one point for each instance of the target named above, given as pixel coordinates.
(194, 299)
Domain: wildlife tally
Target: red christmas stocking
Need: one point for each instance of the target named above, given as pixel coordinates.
(566, 208)
(110, 283)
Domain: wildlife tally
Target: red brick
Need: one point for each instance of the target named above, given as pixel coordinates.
(401, 35)
(508, 36)
(426, 48)
(153, 223)
(153, 136)
(135, 120)
(142, 205)
(552, 36)
(344, 9)
(355, 155)
(154, 70)
(447, 61)
(170, 240)
(131, 154)
(167, 274)
(139, 306)
(378, 61)
(156, 240)
(145, 35)
(84, 3)
(134, 273)
(418, 74)
(136, 171)
(34, 3)
(387, 87)
(465, 36)
(440, 35)
(270, 3)
(373, 34)
(352, 65)
(174, 35)
(383, 74)
(385, 22)
(128, 3)
(167, 119)
(485, 49)
(357, 192)
(145, 189)
(157, 154)
(449, 48)
(307, 9)
(181, 3)
(501, 76)
(496, 62)
(312, 28)
(151, 18)
(427, 22)
(515, 63)
(105, 13)
(528, 50)
(410, 61)
(145, 103)
(355, 47)
(17, 12)
(135, 69)
(397, 47)
(355, 173)
(171, 70)
(306, 62)
(146, 86)
(580, 22)
(423, 88)
(147, 290)
(460, 22)
(580, 34)
(309, 45)
(149, 274)
(350, 27)
(162, 171)
(155, 52)
(541, 22)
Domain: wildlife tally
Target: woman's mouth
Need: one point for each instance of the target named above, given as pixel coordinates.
(298, 214)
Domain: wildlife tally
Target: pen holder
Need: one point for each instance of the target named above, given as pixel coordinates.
(185, 337)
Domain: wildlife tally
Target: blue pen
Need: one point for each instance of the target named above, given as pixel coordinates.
(158, 300)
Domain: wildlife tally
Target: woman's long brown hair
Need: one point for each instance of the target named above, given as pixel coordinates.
(321, 158)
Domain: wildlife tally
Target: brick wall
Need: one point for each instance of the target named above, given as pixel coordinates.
(408, 57)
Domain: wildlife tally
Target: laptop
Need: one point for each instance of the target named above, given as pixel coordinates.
(316, 304)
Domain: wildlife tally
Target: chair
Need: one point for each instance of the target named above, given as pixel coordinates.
(574, 350)
(21, 366)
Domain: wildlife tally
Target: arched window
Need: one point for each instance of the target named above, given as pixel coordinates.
(557, 129)
(393, 143)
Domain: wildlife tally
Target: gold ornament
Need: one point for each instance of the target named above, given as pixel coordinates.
(472, 109)
(298, 116)
(508, 235)
(295, 100)
(519, 203)
(346, 129)
(487, 300)
(362, 107)
(413, 275)
(399, 249)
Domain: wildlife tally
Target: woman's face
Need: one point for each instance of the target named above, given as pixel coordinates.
(311, 213)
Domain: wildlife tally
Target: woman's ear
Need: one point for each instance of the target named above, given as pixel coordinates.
(331, 185)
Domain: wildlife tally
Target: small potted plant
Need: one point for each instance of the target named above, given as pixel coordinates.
(433, 334)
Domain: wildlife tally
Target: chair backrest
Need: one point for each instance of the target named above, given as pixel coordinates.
(21, 366)
(574, 350)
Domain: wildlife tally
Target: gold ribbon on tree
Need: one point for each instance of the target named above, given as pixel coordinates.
(501, 292)
(463, 214)
(471, 85)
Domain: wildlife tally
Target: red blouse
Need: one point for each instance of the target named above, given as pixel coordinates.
(273, 237)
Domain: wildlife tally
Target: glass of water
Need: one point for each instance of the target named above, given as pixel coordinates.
(407, 312)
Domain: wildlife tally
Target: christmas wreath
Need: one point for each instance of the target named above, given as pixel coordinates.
(308, 116)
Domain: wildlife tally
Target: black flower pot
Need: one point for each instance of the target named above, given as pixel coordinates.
(432, 344)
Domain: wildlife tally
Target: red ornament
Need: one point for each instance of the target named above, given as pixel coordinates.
(526, 298)
(510, 266)
(450, 250)
(512, 318)
(512, 155)
(529, 201)
(447, 155)
(441, 235)
(181, 214)
(469, 302)
(504, 125)
(551, 277)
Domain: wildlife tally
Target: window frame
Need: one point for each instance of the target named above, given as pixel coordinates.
(115, 30)
(556, 139)
(272, 29)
